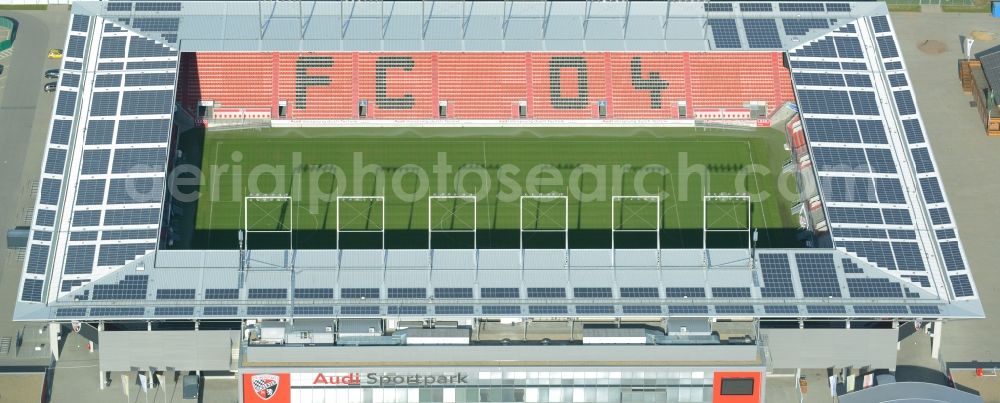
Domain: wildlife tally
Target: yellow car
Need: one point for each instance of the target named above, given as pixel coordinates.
(55, 53)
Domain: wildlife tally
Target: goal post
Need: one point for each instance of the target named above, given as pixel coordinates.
(268, 214)
(452, 214)
(360, 215)
(548, 213)
(726, 213)
(636, 215)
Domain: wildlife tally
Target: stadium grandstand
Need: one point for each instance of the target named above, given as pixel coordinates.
(149, 87)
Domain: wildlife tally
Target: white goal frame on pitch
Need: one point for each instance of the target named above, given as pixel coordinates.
(430, 219)
(291, 218)
(564, 230)
(380, 230)
(725, 197)
(659, 222)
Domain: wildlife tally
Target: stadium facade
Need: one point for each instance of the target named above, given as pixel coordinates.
(884, 245)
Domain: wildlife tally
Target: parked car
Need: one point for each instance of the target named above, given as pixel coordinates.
(53, 73)
(55, 53)
(50, 87)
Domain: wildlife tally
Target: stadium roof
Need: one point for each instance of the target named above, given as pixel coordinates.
(897, 255)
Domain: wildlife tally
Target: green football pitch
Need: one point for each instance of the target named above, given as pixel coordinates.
(492, 180)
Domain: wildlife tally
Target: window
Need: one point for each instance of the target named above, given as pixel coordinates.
(737, 387)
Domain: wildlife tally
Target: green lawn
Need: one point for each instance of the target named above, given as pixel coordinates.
(405, 166)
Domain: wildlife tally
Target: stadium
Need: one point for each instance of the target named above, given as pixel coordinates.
(489, 201)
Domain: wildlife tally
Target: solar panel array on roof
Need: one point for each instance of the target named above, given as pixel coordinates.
(762, 33)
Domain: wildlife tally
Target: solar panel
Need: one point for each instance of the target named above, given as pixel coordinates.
(924, 309)
(222, 293)
(641, 309)
(119, 6)
(908, 256)
(781, 309)
(832, 130)
(864, 103)
(66, 103)
(894, 66)
(110, 27)
(850, 266)
(880, 23)
(31, 290)
(129, 234)
(106, 66)
(79, 259)
(158, 6)
(713, 6)
(904, 102)
(68, 65)
(844, 189)
(761, 33)
(100, 132)
(593, 309)
(70, 80)
(88, 218)
(95, 162)
(826, 309)
(932, 190)
(112, 47)
(902, 234)
(817, 274)
(220, 311)
(135, 190)
(639, 292)
(887, 46)
(945, 233)
(74, 48)
(137, 131)
(914, 133)
(815, 7)
(501, 310)
(848, 47)
(80, 23)
(877, 252)
(820, 48)
(117, 311)
(104, 104)
(872, 131)
(119, 254)
(142, 47)
(129, 287)
(316, 293)
(44, 236)
(683, 292)
(132, 216)
(897, 216)
(838, 7)
(499, 292)
(173, 311)
(175, 293)
(45, 218)
(832, 159)
(734, 309)
(952, 255)
(825, 101)
(724, 33)
(267, 293)
(148, 79)
(777, 275)
(107, 80)
(147, 102)
(83, 236)
(49, 193)
(898, 80)
(961, 285)
(452, 293)
(547, 310)
(360, 310)
(745, 7)
(155, 24)
(55, 161)
(858, 80)
(60, 131)
(681, 309)
(155, 65)
(889, 190)
(922, 280)
(139, 160)
(819, 79)
(267, 310)
(873, 288)
(38, 257)
(881, 309)
(922, 160)
(71, 312)
(313, 310)
(881, 160)
(802, 26)
(853, 66)
(407, 310)
(801, 64)
(939, 216)
(359, 293)
(90, 192)
(453, 310)
(592, 292)
(546, 292)
(407, 292)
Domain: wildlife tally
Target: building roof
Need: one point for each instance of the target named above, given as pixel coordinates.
(895, 256)
(910, 392)
(990, 59)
